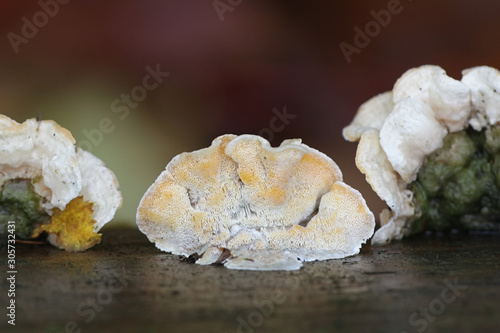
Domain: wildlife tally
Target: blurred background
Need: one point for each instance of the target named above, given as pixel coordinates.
(230, 63)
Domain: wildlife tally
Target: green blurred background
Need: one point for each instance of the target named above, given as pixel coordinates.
(225, 76)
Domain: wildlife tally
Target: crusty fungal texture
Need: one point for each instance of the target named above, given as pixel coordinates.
(45, 154)
(398, 130)
(247, 205)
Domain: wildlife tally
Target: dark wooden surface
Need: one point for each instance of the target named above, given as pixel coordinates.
(126, 285)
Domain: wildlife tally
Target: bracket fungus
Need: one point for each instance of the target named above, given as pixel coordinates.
(49, 185)
(247, 205)
(430, 148)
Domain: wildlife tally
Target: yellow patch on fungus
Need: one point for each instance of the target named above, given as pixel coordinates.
(73, 227)
(248, 176)
(276, 195)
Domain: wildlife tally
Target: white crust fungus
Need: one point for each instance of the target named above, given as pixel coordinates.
(397, 135)
(99, 186)
(484, 85)
(448, 98)
(371, 114)
(45, 153)
(410, 133)
(247, 205)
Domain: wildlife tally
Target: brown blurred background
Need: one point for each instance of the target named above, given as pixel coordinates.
(225, 76)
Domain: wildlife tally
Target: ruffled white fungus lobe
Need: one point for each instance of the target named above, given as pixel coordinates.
(409, 134)
(247, 205)
(398, 134)
(484, 85)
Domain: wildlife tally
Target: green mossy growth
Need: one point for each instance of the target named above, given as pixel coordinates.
(20, 203)
(458, 186)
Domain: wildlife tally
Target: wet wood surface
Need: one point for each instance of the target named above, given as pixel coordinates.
(429, 283)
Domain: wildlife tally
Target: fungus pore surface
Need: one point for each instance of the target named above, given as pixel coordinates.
(247, 205)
